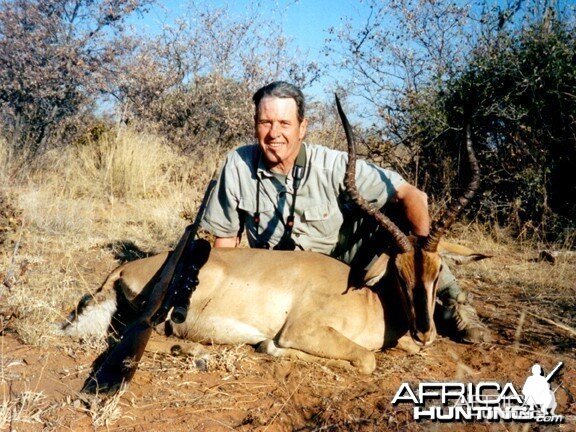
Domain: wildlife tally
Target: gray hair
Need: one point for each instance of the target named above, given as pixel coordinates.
(283, 90)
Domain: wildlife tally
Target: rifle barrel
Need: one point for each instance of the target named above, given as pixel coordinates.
(551, 374)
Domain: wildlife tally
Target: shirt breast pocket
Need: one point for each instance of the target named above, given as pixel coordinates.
(323, 220)
(249, 206)
(266, 227)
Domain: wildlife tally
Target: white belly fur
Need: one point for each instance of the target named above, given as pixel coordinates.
(220, 330)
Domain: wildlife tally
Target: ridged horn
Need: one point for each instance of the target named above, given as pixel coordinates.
(399, 237)
(447, 218)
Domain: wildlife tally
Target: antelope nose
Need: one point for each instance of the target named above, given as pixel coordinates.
(424, 338)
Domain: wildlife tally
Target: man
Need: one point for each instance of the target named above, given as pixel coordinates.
(287, 194)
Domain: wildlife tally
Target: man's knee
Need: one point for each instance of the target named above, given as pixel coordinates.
(447, 285)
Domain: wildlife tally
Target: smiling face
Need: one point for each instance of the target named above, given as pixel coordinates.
(279, 132)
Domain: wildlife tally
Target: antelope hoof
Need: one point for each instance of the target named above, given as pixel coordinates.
(407, 344)
(366, 364)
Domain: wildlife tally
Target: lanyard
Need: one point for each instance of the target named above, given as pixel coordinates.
(297, 176)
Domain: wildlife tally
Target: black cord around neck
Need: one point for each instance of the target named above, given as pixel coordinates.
(298, 171)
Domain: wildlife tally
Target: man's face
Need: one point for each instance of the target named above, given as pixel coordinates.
(279, 133)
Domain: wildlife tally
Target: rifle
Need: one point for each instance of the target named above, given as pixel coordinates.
(551, 374)
(178, 280)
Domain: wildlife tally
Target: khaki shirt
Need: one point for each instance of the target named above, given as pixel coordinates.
(320, 203)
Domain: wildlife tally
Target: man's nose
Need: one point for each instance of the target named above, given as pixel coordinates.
(274, 130)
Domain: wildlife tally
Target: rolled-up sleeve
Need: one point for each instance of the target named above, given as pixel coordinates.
(221, 217)
(376, 185)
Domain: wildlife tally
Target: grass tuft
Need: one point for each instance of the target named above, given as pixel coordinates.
(24, 407)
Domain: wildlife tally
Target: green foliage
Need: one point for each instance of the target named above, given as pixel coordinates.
(518, 93)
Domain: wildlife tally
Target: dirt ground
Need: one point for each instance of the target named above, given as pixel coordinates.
(247, 391)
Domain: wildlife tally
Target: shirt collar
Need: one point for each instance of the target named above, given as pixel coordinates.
(262, 169)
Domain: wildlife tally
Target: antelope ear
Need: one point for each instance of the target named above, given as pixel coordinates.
(459, 254)
(376, 270)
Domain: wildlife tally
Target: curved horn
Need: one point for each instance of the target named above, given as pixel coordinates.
(399, 237)
(447, 218)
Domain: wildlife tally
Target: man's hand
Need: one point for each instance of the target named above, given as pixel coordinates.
(415, 205)
(230, 242)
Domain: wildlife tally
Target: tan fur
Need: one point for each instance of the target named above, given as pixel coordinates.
(291, 303)
(419, 271)
(458, 253)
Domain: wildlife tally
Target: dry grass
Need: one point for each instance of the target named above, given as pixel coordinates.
(126, 189)
(122, 165)
(540, 297)
(88, 207)
(103, 410)
(25, 407)
(518, 265)
(33, 407)
(4, 161)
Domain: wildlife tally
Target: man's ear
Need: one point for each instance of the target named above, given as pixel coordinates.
(376, 270)
(303, 128)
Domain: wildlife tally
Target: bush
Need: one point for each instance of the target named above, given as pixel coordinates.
(518, 95)
(211, 111)
(54, 56)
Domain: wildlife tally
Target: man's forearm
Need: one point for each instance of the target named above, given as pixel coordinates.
(415, 205)
(226, 242)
